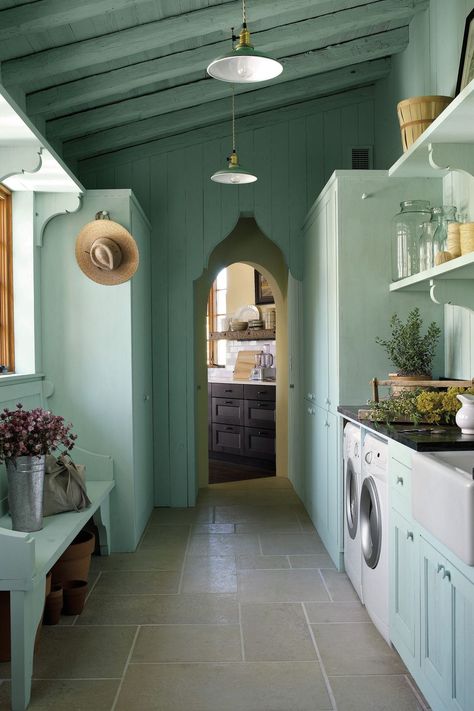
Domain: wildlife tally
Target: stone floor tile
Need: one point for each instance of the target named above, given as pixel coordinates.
(318, 560)
(180, 517)
(373, 693)
(209, 574)
(259, 515)
(152, 582)
(160, 609)
(355, 649)
(252, 561)
(336, 612)
(270, 524)
(280, 586)
(207, 528)
(188, 643)
(276, 632)
(291, 543)
(339, 586)
(277, 686)
(166, 538)
(142, 559)
(81, 653)
(223, 544)
(77, 695)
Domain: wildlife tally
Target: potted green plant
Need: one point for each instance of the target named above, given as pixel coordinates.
(409, 350)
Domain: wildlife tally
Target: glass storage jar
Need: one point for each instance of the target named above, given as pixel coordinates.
(407, 227)
(445, 215)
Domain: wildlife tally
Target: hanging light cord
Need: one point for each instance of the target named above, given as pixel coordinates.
(233, 119)
(244, 14)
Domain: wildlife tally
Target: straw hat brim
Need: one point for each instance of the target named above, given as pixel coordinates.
(112, 230)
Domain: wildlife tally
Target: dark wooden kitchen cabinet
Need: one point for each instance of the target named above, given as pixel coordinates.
(242, 422)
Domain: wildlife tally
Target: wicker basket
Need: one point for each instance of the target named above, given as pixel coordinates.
(416, 114)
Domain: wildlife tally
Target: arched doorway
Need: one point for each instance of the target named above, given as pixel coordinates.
(245, 244)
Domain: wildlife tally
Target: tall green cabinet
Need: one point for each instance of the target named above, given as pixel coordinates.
(346, 304)
(97, 358)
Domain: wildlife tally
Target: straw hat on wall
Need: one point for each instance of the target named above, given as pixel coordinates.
(106, 252)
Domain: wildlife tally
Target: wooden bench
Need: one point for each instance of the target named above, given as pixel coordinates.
(25, 558)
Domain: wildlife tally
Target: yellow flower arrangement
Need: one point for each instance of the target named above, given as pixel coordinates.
(431, 406)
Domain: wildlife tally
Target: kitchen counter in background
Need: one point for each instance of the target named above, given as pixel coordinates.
(447, 438)
(242, 382)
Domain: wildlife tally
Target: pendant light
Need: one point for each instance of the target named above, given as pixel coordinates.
(244, 64)
(234, 174)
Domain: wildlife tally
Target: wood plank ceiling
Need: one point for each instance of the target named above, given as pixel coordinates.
(100, 75)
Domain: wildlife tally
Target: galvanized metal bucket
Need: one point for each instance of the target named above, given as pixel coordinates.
(25, 492)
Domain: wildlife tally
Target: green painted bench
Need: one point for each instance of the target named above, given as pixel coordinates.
(25, 558)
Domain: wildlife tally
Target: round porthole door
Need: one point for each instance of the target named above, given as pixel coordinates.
(370, 522)
(351, 500)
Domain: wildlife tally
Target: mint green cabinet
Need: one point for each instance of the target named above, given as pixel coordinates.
(97, 357)
(447, 629)
(403, 570)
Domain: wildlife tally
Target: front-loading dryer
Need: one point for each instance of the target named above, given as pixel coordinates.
(374, 531)
(352, 487)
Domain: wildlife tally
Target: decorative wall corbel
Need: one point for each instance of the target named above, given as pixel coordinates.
(49, 205)
(452, 156)
(16, 160)
(457, 292)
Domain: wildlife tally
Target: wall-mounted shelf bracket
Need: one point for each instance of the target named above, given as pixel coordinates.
(457, 292)
(452, 156)
(49, 205)
(15, 160)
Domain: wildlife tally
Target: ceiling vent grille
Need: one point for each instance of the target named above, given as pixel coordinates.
(361, 157)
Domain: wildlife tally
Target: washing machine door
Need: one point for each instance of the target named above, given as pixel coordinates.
(351, 500)
(370, 522)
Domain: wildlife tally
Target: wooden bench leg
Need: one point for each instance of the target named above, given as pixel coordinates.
(102, 521)
(26, 610)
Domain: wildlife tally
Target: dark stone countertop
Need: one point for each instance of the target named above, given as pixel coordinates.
(444, 438)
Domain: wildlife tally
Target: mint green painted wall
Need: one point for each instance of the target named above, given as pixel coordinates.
(429, 65)
(293, 150)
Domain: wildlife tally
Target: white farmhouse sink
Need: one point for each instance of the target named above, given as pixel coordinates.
(443, 499)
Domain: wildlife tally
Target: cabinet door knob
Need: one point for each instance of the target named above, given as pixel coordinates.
(440, 568)
(146, 398)
(447, 574)
(328, 401)
(410, 536)
(326, 424)
(400, 480)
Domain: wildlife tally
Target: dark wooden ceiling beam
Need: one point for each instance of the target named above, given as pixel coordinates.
(145, 76)
(46, 68)
(215, 112)
(208, 90)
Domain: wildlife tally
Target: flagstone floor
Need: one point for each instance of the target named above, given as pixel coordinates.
(231, 606)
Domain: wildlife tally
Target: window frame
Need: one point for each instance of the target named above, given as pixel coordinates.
(7, 333)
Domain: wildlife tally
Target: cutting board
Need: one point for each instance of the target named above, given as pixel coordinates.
(244, 364)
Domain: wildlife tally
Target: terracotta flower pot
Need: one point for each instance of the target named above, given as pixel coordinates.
(74, 593)
(53, 606)
(75, 562)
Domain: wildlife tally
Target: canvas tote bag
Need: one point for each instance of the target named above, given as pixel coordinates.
(64, 486)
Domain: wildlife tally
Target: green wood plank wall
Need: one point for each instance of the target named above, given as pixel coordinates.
(293, 151)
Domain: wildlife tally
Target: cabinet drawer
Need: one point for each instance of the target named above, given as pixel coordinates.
(227, 411)
(259, 443)
(228, 390)
(228, 438)
(260, 392)
(260, 413)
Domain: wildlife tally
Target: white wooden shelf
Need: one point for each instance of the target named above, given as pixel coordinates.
(445, 145)
(448, 283)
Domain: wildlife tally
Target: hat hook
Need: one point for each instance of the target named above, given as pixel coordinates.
(102, 215)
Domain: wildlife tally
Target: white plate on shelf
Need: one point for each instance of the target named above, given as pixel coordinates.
(247, 313)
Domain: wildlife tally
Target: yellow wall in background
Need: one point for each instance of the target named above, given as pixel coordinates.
(240, 287)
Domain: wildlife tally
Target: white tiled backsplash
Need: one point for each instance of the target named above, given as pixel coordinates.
(233, 347)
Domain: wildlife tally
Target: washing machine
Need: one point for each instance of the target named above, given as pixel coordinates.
(374, 531)
(352, 487)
